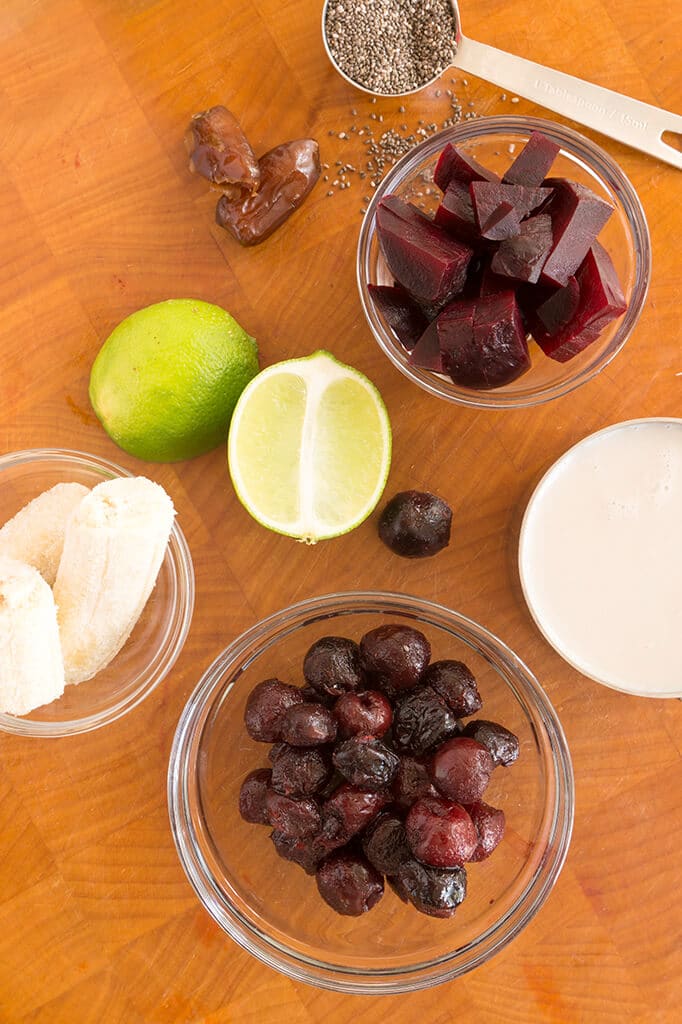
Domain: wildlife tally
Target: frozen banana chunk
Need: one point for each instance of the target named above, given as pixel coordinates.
(31, 669)
(114, 545)
(35, 535)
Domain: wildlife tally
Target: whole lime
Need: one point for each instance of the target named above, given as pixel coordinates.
(167, 379)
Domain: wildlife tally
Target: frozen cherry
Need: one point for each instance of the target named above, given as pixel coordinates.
(297, 818)
(366, 762)
(440, 832)
(308, 725)
(416, 524)
(252, 797)
(395, 655)
(461, 769)
(332, 666)
(300, 851)
(502, 745)
(299, 771)
(422, 721)
(412, 780)
(385, 844)
(349, 884)
(453, 681)
(348, 810)
(367, 714)
(265, 707)
(489, 822)
(432, 891)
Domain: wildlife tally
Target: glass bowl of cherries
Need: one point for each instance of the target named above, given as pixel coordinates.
(503, 262)
(370, 793)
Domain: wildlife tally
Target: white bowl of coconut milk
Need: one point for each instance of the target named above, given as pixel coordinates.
(600, 556)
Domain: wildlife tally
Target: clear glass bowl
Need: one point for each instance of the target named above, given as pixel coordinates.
(625, 236)
(270, 906)
(159, 635)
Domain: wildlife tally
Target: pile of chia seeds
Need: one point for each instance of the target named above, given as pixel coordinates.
(369, 146)
(391, 46)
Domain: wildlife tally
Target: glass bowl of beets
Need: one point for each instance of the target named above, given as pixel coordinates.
(370, 793)
(503, 262)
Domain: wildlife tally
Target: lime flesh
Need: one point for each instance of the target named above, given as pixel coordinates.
(309, 448)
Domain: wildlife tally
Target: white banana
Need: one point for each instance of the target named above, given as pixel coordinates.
(35, 535)
(31, 669)
(114, 545)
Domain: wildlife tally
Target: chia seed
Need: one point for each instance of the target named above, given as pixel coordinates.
(391, 46)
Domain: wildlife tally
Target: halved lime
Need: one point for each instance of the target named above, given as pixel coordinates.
(309, 448)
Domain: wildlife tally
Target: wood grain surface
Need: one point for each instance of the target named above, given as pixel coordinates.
(99, 216)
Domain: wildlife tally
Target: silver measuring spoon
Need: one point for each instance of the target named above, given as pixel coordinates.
(637, 124)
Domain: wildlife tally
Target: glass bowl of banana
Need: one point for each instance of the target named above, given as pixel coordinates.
(96, 591)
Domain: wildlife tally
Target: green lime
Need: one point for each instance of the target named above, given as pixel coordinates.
(166, 381)
(309, 448)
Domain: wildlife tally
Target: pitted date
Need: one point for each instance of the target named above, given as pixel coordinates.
(287, 175)
(220, 152)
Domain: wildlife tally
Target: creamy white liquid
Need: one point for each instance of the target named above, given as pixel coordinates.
(601, 557)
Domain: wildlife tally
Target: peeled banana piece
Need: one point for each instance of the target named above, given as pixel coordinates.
(114, 545)
(31, 669)
(35, 535)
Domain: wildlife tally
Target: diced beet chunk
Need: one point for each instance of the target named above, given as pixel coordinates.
(531, 166)
(553, 311)
(523, 256)
(456, 165)
(455, 327)
(403, 314)
(488, 196)
(423, 257)
(578, 215)
(502, 223)
(427, 353)
(456, 213)
(488, 349)
(601, 301)
(491, 354)
(491, 284)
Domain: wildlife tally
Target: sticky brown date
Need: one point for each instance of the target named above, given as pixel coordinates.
(287, 174)
(220, 152)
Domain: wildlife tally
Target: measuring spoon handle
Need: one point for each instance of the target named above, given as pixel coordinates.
(637, 124)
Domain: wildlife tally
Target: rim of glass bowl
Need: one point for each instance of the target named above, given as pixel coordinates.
(177, 627)
(183, 795)
(589, 155)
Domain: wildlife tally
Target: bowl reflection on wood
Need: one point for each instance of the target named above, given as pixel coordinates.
(270, 906)
(494, 142)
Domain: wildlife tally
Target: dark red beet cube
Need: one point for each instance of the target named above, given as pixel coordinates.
(524, 256)
(456, 165)
(601, 301)
(461, 769)
(496, 352)
(456, 213)
(489, 823)
(578, 215)
(427, 352)
(487, 198)
(455, 332)
(349, 883)
(491, 284)
(423, 257)
(531, 166)
(552, 310)
(502, 223)
(440, 832)
(402, 314)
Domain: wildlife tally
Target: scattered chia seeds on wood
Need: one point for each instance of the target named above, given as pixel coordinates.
(391, 46)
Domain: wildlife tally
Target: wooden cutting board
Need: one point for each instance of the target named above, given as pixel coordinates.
(99, 216)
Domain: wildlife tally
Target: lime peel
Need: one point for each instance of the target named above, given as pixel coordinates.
(309, 448)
